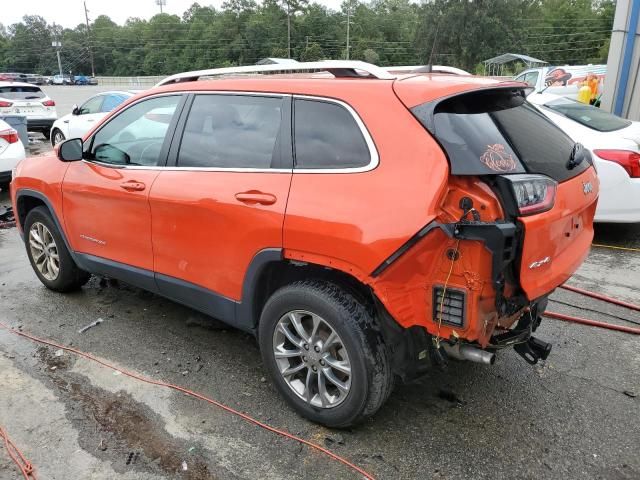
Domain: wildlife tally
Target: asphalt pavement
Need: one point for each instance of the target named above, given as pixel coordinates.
(574, 416)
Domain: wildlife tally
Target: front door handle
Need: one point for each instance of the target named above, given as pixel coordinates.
(253, 197)
(133, 186)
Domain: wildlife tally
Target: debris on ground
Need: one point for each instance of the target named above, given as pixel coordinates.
(332, 438)
(184, 466)
(91, 325)
(59, 353)
(629, 393)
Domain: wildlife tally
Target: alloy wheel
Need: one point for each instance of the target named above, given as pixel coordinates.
(312, 359)
(44, 251)
(58, 137)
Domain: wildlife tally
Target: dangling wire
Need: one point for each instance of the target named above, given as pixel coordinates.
(454, 256)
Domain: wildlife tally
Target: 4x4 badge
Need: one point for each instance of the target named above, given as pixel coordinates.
(587, 188)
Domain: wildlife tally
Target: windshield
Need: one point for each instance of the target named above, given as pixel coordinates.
(587, 115)
(21, 93)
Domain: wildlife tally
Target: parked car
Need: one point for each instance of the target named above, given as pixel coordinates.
(561, 80)
(359, 241)
(61, 80)
(613, 142)
(80, 80)
(18, 98)
(84, 118)
(11, 152)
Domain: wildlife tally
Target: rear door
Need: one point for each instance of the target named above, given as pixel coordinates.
(224, 199)
(495, 132)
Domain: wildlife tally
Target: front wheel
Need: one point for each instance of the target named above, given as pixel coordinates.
(48, 254)
(325, 353)
(57, 137)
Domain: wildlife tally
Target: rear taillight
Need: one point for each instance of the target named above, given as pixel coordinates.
(5, 104)
(9, 135)
(627, 159)
(532, 193)
(49, 103)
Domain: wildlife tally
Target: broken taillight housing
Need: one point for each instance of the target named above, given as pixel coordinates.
(532, 193)
(627, 159)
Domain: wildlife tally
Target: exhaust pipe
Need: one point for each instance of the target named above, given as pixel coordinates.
(470, 353)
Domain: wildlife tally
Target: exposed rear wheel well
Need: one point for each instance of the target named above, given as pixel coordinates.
(279, 274)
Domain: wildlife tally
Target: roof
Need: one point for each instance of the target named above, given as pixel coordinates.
(510, 57)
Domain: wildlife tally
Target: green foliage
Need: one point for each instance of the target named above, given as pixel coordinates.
(461, 33)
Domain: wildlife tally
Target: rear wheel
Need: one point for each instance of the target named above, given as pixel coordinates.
(48, 253)
(324, 353)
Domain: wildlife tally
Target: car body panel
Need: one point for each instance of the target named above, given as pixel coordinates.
(106, 220)
(204, 235)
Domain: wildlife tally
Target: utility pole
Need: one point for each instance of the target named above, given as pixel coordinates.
(348, 25)
(160, 3)
(86, 16)
(57, 46)
(288, 29)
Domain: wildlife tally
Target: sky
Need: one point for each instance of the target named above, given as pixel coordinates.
(69, 13)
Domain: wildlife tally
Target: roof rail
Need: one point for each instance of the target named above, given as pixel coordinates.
(339, 68)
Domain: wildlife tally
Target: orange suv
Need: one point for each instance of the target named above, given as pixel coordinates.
(364, 226)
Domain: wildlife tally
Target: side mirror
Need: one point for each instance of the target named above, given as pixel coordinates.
(75, 110)
(70, 150)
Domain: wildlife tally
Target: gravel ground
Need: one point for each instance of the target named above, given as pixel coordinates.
(575, 416)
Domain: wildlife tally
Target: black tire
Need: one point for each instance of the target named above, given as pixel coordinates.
(54, 134)
(69, 277)
(47, 133)
(372, 378)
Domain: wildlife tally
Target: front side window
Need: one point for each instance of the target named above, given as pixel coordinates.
(136, 135)
(91, 106)
(587, 115)
(232, 131)
(327, 136)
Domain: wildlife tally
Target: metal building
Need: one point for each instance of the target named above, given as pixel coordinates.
(622, 86)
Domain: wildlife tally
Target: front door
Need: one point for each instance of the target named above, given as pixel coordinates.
(106, 196)
(84, 118)
(224, 199)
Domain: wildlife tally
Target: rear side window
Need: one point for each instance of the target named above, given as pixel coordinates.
(327, 136)
(232, 131)
(21, 93)
(497, 132)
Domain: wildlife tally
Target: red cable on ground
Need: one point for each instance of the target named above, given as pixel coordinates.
(191, 393)
(18, 458)
(599, 296)
(592, 323)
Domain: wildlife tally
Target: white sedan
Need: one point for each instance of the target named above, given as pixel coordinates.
(82, 119)
(614, 143)
(11, 152)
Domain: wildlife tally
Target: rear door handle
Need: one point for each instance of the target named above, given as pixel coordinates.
(133, 186)
(253, 197)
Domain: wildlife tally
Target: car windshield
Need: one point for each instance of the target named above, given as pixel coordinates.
(21, 93)
(587, 115)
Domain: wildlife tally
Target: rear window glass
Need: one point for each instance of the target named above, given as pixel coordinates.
(497, 132)
(21, 93)
(587, 115)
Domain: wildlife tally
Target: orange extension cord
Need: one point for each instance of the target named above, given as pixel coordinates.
(199, 396)
(594, 323)
(17, 456)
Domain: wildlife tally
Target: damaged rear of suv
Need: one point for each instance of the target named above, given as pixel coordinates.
(360, 241)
